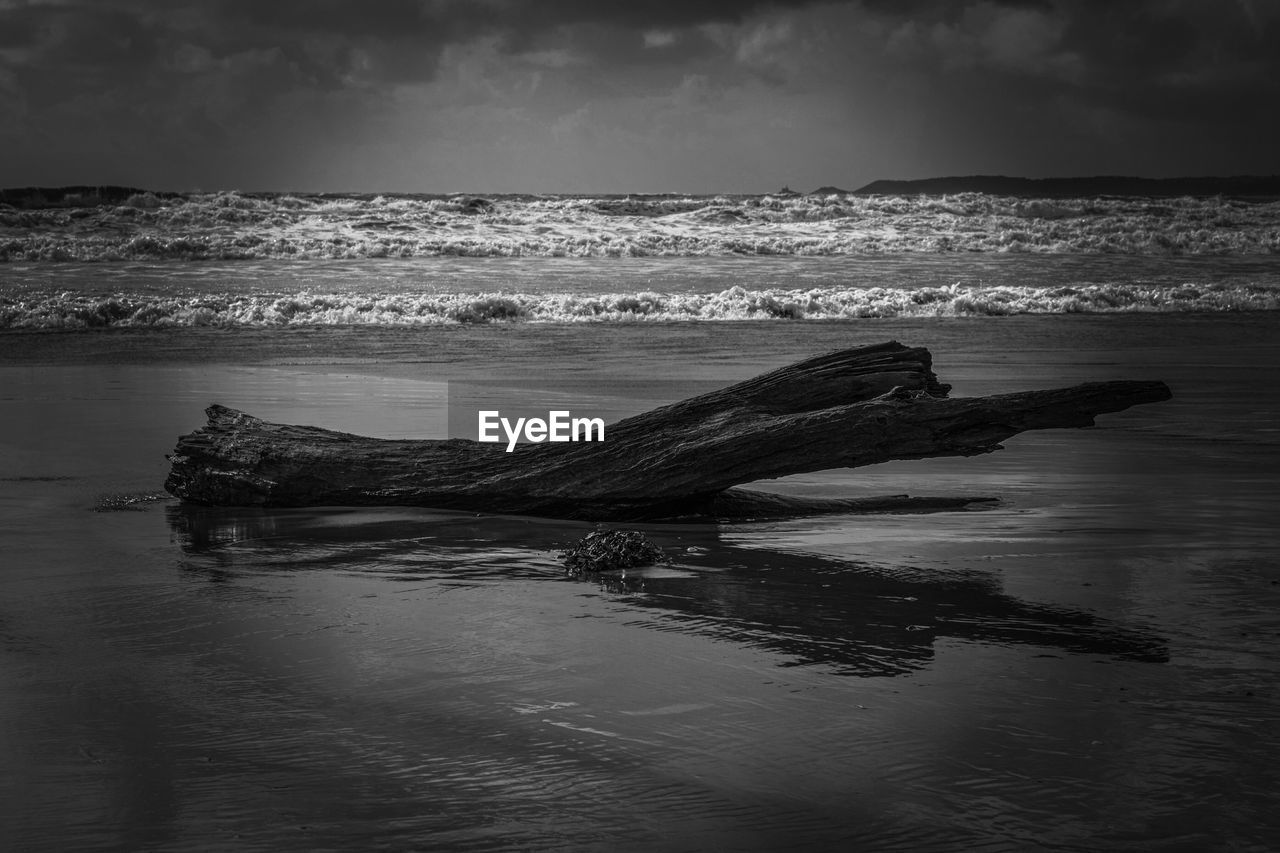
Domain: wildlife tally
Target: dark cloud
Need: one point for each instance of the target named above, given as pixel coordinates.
(534, 15)
(1192, 61)
(101, 38)
(389, 19)
(398, 19)
(1066, 84)
(102, 31)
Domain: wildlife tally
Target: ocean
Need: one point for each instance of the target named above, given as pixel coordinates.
(1090, 663)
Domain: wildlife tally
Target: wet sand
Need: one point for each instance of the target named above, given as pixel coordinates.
(1089, 665)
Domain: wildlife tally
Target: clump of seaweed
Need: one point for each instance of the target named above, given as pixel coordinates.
(120, 502)
(606, 550)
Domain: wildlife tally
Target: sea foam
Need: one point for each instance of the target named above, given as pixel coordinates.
(68, 310)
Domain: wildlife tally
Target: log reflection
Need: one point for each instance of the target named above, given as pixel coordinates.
(855, 618)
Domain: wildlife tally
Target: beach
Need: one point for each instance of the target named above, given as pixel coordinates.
(292, 295)
(1089, 664)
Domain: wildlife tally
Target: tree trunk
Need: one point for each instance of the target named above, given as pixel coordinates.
(845, 409)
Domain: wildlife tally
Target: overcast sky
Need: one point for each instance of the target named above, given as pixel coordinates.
(637, 96)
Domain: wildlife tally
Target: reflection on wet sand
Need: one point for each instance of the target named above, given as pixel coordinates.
(854, 618)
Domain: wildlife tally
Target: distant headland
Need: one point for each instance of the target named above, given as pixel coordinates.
(1237, 185)
(73, 196)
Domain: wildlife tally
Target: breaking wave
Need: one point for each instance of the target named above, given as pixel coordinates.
(235, 226)
(75, 311)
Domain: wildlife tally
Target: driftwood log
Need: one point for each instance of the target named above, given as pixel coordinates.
(844, 409)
